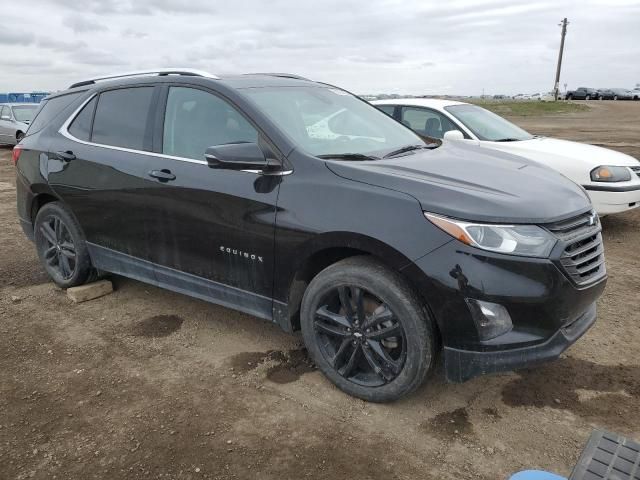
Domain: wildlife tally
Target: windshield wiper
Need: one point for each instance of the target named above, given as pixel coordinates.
(348, 156)
(507, 140)
(410, 148)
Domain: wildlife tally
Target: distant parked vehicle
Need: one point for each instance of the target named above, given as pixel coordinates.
(550, 97)
(14, 121)
(582, 93)
(606, 94)
(623, 94)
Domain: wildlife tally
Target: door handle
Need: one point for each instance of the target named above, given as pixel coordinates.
(65, 156)
(163, 175)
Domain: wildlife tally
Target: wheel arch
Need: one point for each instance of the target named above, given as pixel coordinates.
(39, 201)
(325, 250)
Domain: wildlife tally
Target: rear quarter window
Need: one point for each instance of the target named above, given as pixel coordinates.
(81, 125)
(50, 109)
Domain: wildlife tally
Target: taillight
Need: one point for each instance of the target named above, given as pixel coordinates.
(17, 150)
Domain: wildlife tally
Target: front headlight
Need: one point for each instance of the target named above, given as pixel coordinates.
(610, 174)
(525, 240)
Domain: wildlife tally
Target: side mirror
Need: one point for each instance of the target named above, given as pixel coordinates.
(453, 135)
(237, 156)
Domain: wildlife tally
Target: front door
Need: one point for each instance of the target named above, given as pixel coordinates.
(212, 229)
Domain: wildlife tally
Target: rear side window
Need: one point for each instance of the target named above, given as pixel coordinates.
(121, 117)
(196, 120)
(81, 126)
(49, 110)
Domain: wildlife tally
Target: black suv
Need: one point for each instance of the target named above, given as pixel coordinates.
(298, 202)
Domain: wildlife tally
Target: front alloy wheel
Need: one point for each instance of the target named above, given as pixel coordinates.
(367, 330)
(360, 337)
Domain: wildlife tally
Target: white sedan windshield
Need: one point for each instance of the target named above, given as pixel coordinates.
(327, 121)
(487, 125)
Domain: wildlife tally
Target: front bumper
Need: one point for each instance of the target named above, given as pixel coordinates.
(462, 365)
(609, 200)
(548, 309)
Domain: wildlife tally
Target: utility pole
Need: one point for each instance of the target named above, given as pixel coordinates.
(556, 86)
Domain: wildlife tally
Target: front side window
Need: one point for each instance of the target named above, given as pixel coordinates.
(487, 125)
(388, 109)
(24, 113)
(328, 121)
(196, 120)
(4, 112)
(426, 121)
(121, 117)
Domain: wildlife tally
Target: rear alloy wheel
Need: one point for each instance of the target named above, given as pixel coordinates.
(588, 97)
(61, 246)
(615, 97)
(366, 330)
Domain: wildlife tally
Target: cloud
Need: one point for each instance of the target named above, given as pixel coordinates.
(60, 45)
(131, 33)
(82, 24)
(11, 37)
(402, 46)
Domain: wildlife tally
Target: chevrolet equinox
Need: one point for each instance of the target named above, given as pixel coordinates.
(299, 203)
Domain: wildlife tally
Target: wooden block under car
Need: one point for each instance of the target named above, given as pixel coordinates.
(90, 291)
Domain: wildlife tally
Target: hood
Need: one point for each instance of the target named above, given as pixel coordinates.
(471, 183)
(553, 149)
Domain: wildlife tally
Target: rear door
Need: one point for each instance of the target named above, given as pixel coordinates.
(212, 229)
(99, 164)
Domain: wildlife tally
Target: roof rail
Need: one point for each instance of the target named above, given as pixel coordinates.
(160, 72)
(281, 75)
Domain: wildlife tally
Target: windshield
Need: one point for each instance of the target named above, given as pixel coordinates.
(329, 121)
(24, 113)
(487, 125)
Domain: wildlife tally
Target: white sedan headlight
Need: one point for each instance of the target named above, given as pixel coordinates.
(610, 174)
(524, 240)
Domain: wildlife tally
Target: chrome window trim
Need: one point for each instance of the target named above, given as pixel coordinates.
(64, 131)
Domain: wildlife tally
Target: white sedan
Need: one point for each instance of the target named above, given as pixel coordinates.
(612, 179)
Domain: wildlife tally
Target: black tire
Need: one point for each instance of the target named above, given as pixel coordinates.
(19, 136)
(61, 246)
(402, 363)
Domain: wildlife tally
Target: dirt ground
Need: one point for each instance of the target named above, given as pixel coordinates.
(146, 383)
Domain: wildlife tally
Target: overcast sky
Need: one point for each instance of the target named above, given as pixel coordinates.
(366, 46)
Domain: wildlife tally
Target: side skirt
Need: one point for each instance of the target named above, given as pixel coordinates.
(235, 298)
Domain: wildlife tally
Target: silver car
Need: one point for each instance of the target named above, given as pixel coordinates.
(14, 121)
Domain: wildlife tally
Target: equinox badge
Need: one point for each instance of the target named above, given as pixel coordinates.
(239, 253)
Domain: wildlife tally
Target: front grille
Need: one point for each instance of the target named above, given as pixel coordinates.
(636, 170)
(583, 255)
